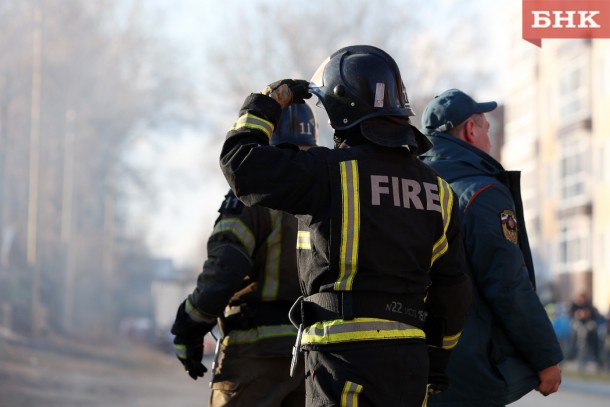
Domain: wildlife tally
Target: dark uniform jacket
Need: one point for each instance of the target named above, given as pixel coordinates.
(372, 220)
(508, 337)
(252, 267)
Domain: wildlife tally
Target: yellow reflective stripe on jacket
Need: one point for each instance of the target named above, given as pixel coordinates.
(239, 230)
(349, 395)
(251, 121)
(193, 312)
(180, 351)
(449, 342)
(304, 240)
(446, 201)
(238, 336)
(358, 329)
(272, 262)
(350, 225)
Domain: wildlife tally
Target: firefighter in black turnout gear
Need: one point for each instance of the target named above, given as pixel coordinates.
(379, 246)
(248, 284)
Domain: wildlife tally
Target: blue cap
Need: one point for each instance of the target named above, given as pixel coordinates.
(451, 108)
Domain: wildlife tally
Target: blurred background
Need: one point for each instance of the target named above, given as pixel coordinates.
(112, 114)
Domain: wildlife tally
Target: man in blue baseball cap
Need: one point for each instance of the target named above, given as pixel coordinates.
(508, 346)
(456, 113)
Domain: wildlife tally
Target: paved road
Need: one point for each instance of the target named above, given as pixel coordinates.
(571, 394)
(125, 375)
(130, 375)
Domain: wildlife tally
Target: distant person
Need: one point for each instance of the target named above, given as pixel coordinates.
(380, 255)
(508, 346)
(585, 319)
(606, 353)
(248, 284)
(562, 324)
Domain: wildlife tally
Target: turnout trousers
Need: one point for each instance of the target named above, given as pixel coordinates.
(365, 375)
(257, 382)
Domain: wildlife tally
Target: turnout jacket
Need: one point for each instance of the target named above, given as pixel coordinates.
(250, 279)
(372, 221)
(508, 337)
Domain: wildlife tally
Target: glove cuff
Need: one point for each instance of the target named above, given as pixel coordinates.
(196, 315)
(188, 329)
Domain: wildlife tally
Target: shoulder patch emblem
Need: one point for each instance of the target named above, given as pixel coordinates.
(510, 226)
(231, 205)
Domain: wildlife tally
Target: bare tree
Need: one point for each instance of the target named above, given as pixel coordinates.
(436, 48)
(81, 81)
(432, 45)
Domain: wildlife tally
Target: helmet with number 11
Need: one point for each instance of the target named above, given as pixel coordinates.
(297, 125)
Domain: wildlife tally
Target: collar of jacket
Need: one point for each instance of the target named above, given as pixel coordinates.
(447, 149)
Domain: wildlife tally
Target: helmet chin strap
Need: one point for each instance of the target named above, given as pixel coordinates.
(349, 137)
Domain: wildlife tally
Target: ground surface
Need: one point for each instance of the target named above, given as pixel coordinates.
(58, 373)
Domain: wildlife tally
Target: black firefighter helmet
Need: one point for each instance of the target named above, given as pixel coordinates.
(361, 84)
(297, 125)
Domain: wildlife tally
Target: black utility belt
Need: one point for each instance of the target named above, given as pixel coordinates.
(248, 316)
(347, 305)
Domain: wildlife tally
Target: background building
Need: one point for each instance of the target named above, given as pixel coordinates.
(557, 132)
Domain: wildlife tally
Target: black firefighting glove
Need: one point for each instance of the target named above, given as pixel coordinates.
(438, 381)
(188, 342)
(297, 87)
(190, 355)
